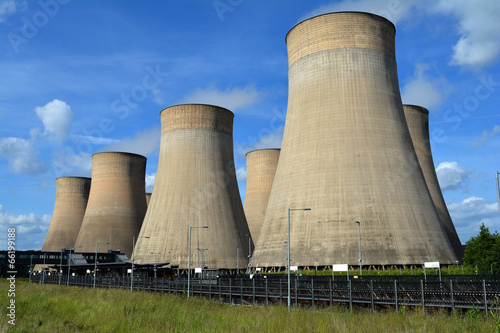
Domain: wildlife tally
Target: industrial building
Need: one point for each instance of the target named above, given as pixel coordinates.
(117, 203)
(195, 187)
(347, 155)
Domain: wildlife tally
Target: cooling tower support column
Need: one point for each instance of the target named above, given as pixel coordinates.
(195, 186)
(347, 154)
(117, 203)
(417, 119)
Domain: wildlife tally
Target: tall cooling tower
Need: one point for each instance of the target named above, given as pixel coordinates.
(347, 155)
(72, 194)
(261, 167)
(195, 186)
(117, 203)
(417, 119)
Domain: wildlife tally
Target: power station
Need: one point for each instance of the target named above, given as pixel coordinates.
(261, 167)
(417, 118)
(195, 187)
(117, 203)
(347, 155)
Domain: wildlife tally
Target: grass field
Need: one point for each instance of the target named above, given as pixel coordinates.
(50, 308)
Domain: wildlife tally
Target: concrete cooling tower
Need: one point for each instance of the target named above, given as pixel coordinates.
(72, 194)
(347, 155)
(195, 186)
(261, 167)
(417, 119)
(117, 203)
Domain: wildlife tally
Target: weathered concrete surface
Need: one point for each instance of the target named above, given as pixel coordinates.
(417, 118)
(117, 202)
(261, 167)
(347, 154)
(195, 186)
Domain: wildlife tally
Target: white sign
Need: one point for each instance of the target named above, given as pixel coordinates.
(340, 268)
(197, 270)
(258, 269)
(129, 271)
(294, 268)
(431, 264)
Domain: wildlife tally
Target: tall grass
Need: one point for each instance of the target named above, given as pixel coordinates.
(50, 308)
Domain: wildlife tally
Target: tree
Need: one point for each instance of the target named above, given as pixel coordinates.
(483, 250)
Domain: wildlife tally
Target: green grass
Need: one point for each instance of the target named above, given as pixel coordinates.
(50, 308)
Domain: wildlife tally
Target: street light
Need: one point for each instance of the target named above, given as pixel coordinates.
(43, 272)
(69, 263)
(288, 253)
(498, 190)
(189, 255)
(60, 266)
(360, 258)
(95, 261)
(133, 251)
(249, 253)
(31, 266)
(155, 253)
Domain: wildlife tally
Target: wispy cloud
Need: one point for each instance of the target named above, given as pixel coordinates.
(7, 8)
(231, 99)
(143, 143)
(56, 117)
(21, 155)
(424, 90)
(486, 136)
(150, 182)
(241, 174)
(470, 213)
(450, 175)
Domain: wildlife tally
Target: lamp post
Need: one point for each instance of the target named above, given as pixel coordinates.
(249, 253)
(288, 253)
(169, 259)
(133, 251)
(360, 258)
(155, 253)
(60, 266)
(498, 190)
(31, 267)
(69, 263)
(95, 261)
(189, 256)
(237, 259)
(43, 271)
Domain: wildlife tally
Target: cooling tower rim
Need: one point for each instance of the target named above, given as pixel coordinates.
(252, 151)
(198, 104)
(418, 108)
(342, 12)
(119, 152)
(80, 177)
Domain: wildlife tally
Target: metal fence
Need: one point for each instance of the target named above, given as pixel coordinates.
(464, 292)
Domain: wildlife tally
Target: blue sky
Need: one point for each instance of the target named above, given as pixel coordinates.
(81, 77)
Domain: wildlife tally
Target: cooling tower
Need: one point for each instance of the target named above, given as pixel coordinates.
(72, 194)
(417, 119)
(148, 197)
(261, 167)
(347, 155)
(195, 186)
(117, 203)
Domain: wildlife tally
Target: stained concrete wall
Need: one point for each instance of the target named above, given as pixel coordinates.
(347, 154)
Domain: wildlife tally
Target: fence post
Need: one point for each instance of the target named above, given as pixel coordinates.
(230, 293)
(350, 295)
(331, 296)
(281, 294)
(396, 295)
(485, 300)
(296, 295)
(253, 291)
(312, 292)
(422, 294)
(371, 295)
(241, 290)
(220, 291)
(267, 295)
(210, 289)
(451, 297)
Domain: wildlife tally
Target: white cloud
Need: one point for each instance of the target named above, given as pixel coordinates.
(241, 174)
(424, 90)
(143, 143)
(266, 140)
(56, 117)
(486, 136)
(21, 156)
(394, 11)
(7, 8)
(232, 99)
(150, 182)
(468, 215)
(479, 29)
(30, 229)
(67, 161)
(450, 175)
(158, 97)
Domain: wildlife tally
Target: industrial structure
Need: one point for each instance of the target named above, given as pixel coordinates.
(417, 118)
(116, 205)
(195, 187)
(347, 155)
(261, 167)
(72, 194)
